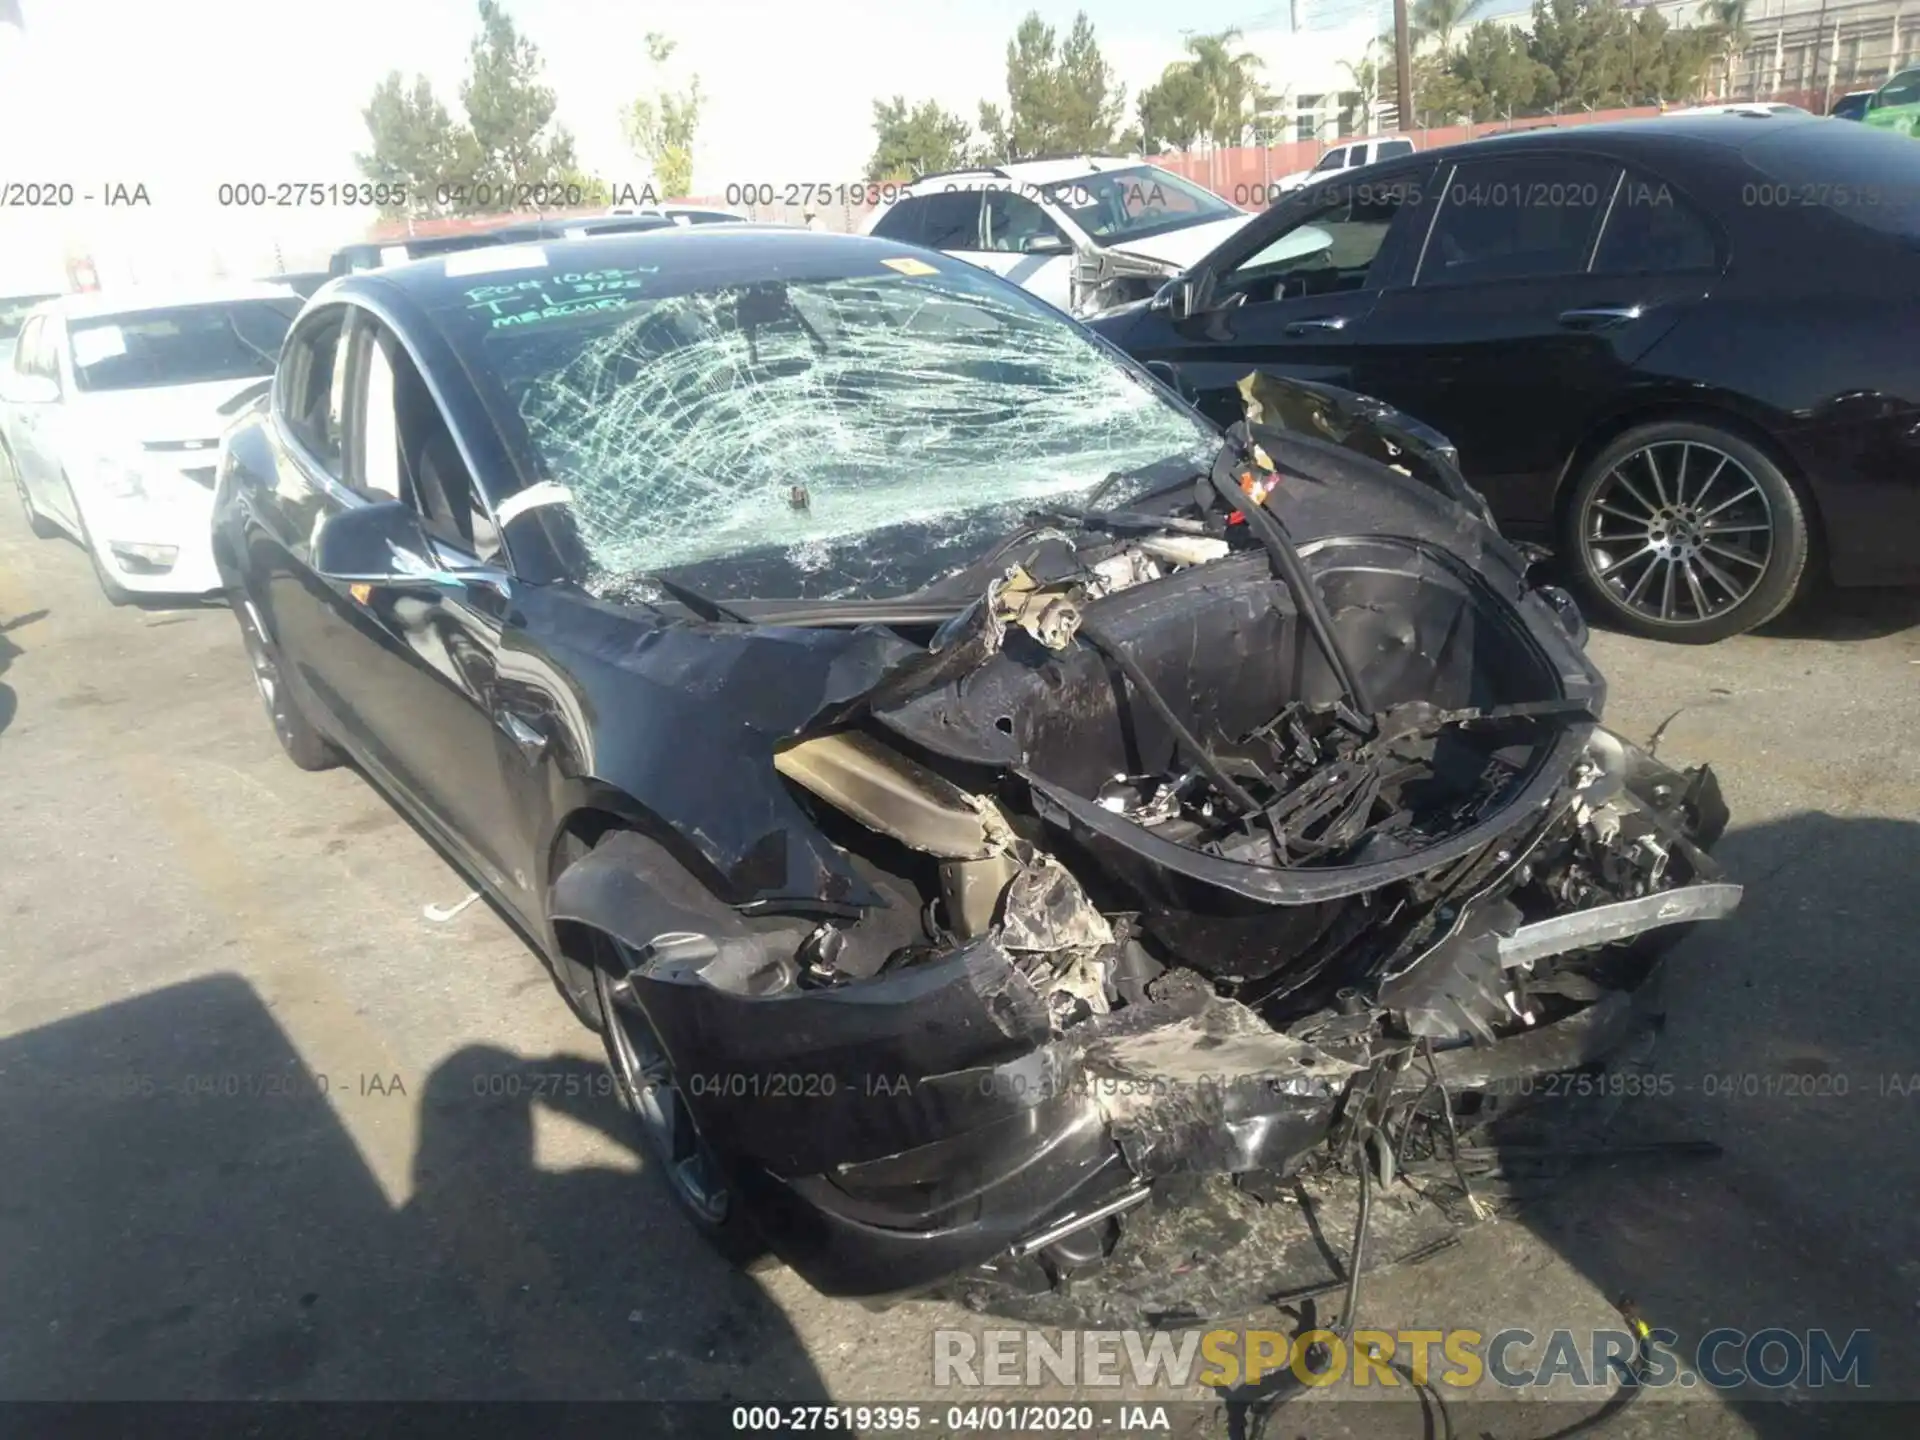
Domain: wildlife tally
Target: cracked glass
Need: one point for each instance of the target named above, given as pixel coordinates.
(807, 414)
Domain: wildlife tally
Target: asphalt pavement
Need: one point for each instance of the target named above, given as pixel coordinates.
(268, 1131)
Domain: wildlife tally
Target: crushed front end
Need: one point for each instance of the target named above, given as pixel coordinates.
(1170, 869)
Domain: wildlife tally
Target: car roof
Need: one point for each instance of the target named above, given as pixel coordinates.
(556, 229)
(1029, 172)
(91, 304)
(671, 250)
(1702, 134)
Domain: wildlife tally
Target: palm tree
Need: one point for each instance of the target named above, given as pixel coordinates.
(1438, 19)
(1228, 81)
(1729, 17)
(1365, 74)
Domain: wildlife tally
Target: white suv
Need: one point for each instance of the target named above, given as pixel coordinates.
(1350, 156)
(1085, 234)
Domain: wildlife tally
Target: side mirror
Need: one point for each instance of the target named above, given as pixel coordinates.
(1046, 245)
(1185, 295)
(31, 389)
(381, 544)
(385, 544)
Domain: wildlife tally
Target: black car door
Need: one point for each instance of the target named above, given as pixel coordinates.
(414, 659)
(1542, 281)
(299, 482)
(1293, 293)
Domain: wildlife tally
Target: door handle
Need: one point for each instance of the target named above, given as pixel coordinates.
(531, 742)
(1600, 317)
(1317, 324)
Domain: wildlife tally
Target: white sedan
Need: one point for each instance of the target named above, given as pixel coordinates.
(111, 411)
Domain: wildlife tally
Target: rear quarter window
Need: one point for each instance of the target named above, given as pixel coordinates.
(905, 222)
(1867, 175)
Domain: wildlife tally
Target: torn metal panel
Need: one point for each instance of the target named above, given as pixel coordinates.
(1621, 920)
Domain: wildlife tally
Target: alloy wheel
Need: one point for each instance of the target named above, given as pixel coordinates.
(646, 1076)
(1678, 531)
(266, 673)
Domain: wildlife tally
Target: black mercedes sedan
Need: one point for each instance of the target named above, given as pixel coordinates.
(970, 793)
(1680, 350)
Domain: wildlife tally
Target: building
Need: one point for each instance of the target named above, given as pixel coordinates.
(1319, 55)
(1329, 66)
(1811, 54)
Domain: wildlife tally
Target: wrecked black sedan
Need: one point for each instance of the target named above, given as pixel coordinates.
(966, 789)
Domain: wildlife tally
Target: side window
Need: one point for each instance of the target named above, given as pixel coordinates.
(1332, 160)
(46, 360)
(905, 222)
(1518, 217)
(1014, 222)
(31, 346)
(1650, 230)
(406, 448)
(952, 221)
(1335, 246)
(312, 385)
(1390, 148)
(1902, 89)
(27, 342)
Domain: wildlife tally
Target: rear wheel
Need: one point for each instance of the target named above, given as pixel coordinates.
(304, 744)
(1686, 532)
(695, 1174)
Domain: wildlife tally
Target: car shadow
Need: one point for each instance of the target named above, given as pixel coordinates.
(185, 1216)
(1788, 1043)
(9, 652)
(1834, 614)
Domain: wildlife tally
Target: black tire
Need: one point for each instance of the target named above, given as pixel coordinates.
(698, 1178)
(42, 528)
(1686, 532)
(304, 744)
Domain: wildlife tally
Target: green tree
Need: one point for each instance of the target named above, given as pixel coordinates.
(1229, 80)
(1061, 99)
(1580, 53)
(1365, 74)
(1439, 19)
(416, 145)
(922, 141)
(1501, 74)
(515, 141)
(1174, 110)
(1727, 19)
(661, 129)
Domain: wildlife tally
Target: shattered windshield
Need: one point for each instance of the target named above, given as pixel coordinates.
(909, 405)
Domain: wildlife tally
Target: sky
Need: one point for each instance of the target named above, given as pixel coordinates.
(182, 97)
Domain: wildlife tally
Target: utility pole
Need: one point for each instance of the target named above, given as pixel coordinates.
(1402, 63)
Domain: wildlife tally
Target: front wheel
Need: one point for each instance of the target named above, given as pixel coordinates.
(40, 525)
(696, 1176)
(304, 744)
(1686, 532)
(116, 593)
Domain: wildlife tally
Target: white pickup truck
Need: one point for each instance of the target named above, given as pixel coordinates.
(1348, 155)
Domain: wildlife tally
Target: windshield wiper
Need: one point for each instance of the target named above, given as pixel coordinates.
(1088, 512)
(271, 359)
(704, 606)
